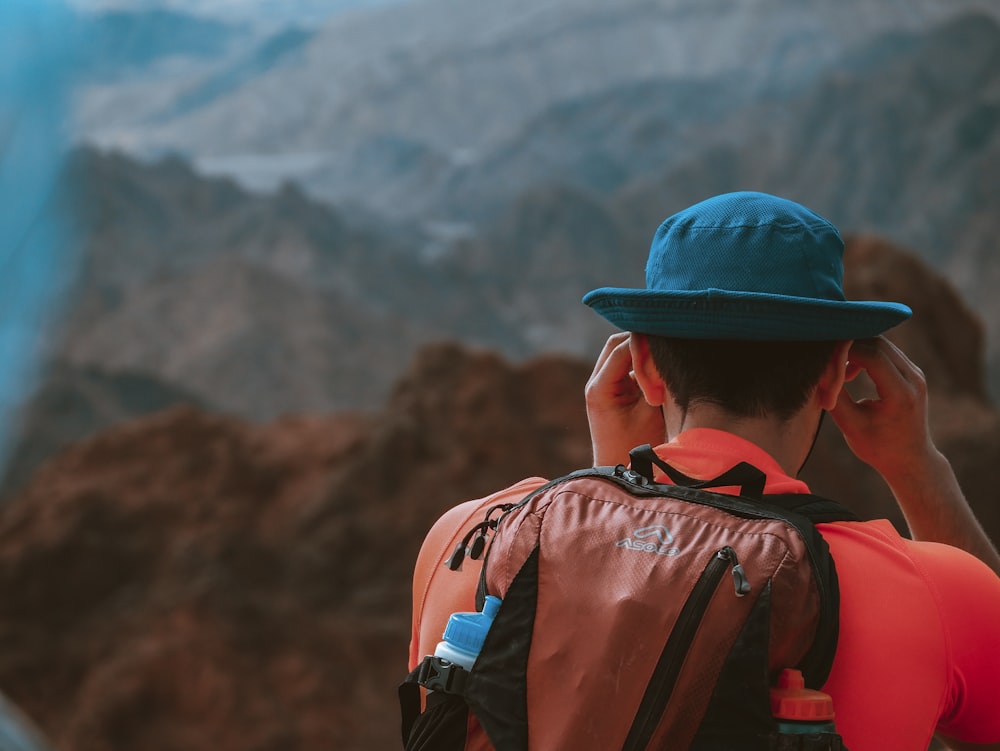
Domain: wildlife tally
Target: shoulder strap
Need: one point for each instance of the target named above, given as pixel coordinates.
(804, 511)
(815, 508)
(747, 477)
(751, 482)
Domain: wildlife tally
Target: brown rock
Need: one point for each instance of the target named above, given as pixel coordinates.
(945, 337)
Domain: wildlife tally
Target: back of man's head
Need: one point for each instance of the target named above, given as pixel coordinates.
(745, 378)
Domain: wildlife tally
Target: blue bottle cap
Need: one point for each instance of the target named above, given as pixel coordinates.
(467, 631)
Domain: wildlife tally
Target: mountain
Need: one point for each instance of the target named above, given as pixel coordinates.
(267, 305)
(272, 52)
(906, 150)
(439, 134)
(894, 135)
(190, 560)
(461, 108)
(262, 305)
(459, 78)
(600, 142)
(908, 116)
(913, 131)
(245, 338)
(142, 66)
(248, 303)
(121, 44)
(72, 404)
(140, 221)
(534, 263)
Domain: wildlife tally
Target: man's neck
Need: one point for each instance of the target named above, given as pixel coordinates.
(787, 441)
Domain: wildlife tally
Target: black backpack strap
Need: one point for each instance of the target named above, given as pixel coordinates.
(815, 508)
(804, 511)
(441, 727)
(746, 477)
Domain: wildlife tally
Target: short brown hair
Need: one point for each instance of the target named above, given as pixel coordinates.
(747, 379)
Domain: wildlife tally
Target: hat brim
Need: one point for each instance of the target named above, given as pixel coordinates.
(750, 316)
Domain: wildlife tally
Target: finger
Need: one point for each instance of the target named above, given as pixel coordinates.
(629, 386)
(615, 340)
(903, 364)
(846, 409)
(880, 348)
(854, 417)
(613, 377)
(853, 371)
(862, 353)
(874, 357)
(618, 362)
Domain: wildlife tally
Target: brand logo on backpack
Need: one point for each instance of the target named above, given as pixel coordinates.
(656, 539)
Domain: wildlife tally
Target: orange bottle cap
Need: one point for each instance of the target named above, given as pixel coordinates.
(791, 700)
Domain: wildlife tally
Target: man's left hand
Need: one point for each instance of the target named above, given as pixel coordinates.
(619, 416)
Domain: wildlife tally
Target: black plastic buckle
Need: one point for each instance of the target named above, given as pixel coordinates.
(437, 674)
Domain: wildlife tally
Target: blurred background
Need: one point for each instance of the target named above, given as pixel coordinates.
(283, 280)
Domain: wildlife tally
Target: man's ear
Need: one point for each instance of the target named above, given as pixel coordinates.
(646, 375)
(834, 376)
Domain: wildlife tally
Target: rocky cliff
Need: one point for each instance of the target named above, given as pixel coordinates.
(192, 581)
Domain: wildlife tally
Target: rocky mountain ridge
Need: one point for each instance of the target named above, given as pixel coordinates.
(426, 87)
(460, 75)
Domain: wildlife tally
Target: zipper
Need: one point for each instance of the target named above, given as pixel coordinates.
(668, 667)
(826, 632)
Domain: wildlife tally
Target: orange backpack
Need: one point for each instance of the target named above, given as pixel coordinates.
(638, 615)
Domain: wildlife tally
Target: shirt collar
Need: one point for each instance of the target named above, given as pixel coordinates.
(705, 453)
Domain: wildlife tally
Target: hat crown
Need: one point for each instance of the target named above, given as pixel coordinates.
(748, 242)
(746, 266)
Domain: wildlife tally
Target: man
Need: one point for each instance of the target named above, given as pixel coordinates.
(739, 343)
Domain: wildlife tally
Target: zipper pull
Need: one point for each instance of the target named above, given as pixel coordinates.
(474, 543)
(740, 580)
(478, 545)
(457, 557)
(464, 549)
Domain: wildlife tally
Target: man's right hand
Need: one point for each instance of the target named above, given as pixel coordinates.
(619, 416)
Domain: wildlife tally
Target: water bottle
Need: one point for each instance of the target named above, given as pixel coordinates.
(805, 717)
(465, 633)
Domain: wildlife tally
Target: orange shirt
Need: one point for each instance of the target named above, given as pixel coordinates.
(919, 647)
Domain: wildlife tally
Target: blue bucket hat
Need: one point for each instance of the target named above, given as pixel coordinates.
(747, 266)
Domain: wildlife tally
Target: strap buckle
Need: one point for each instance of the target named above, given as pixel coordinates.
(438, 674)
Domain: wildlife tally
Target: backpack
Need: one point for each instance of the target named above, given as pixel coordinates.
(638, 615)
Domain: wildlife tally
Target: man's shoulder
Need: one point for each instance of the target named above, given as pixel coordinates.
(457, 516)
(872, 545)
(457, 520)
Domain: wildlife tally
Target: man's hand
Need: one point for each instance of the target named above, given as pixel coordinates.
(891, 433)
(620, 418)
